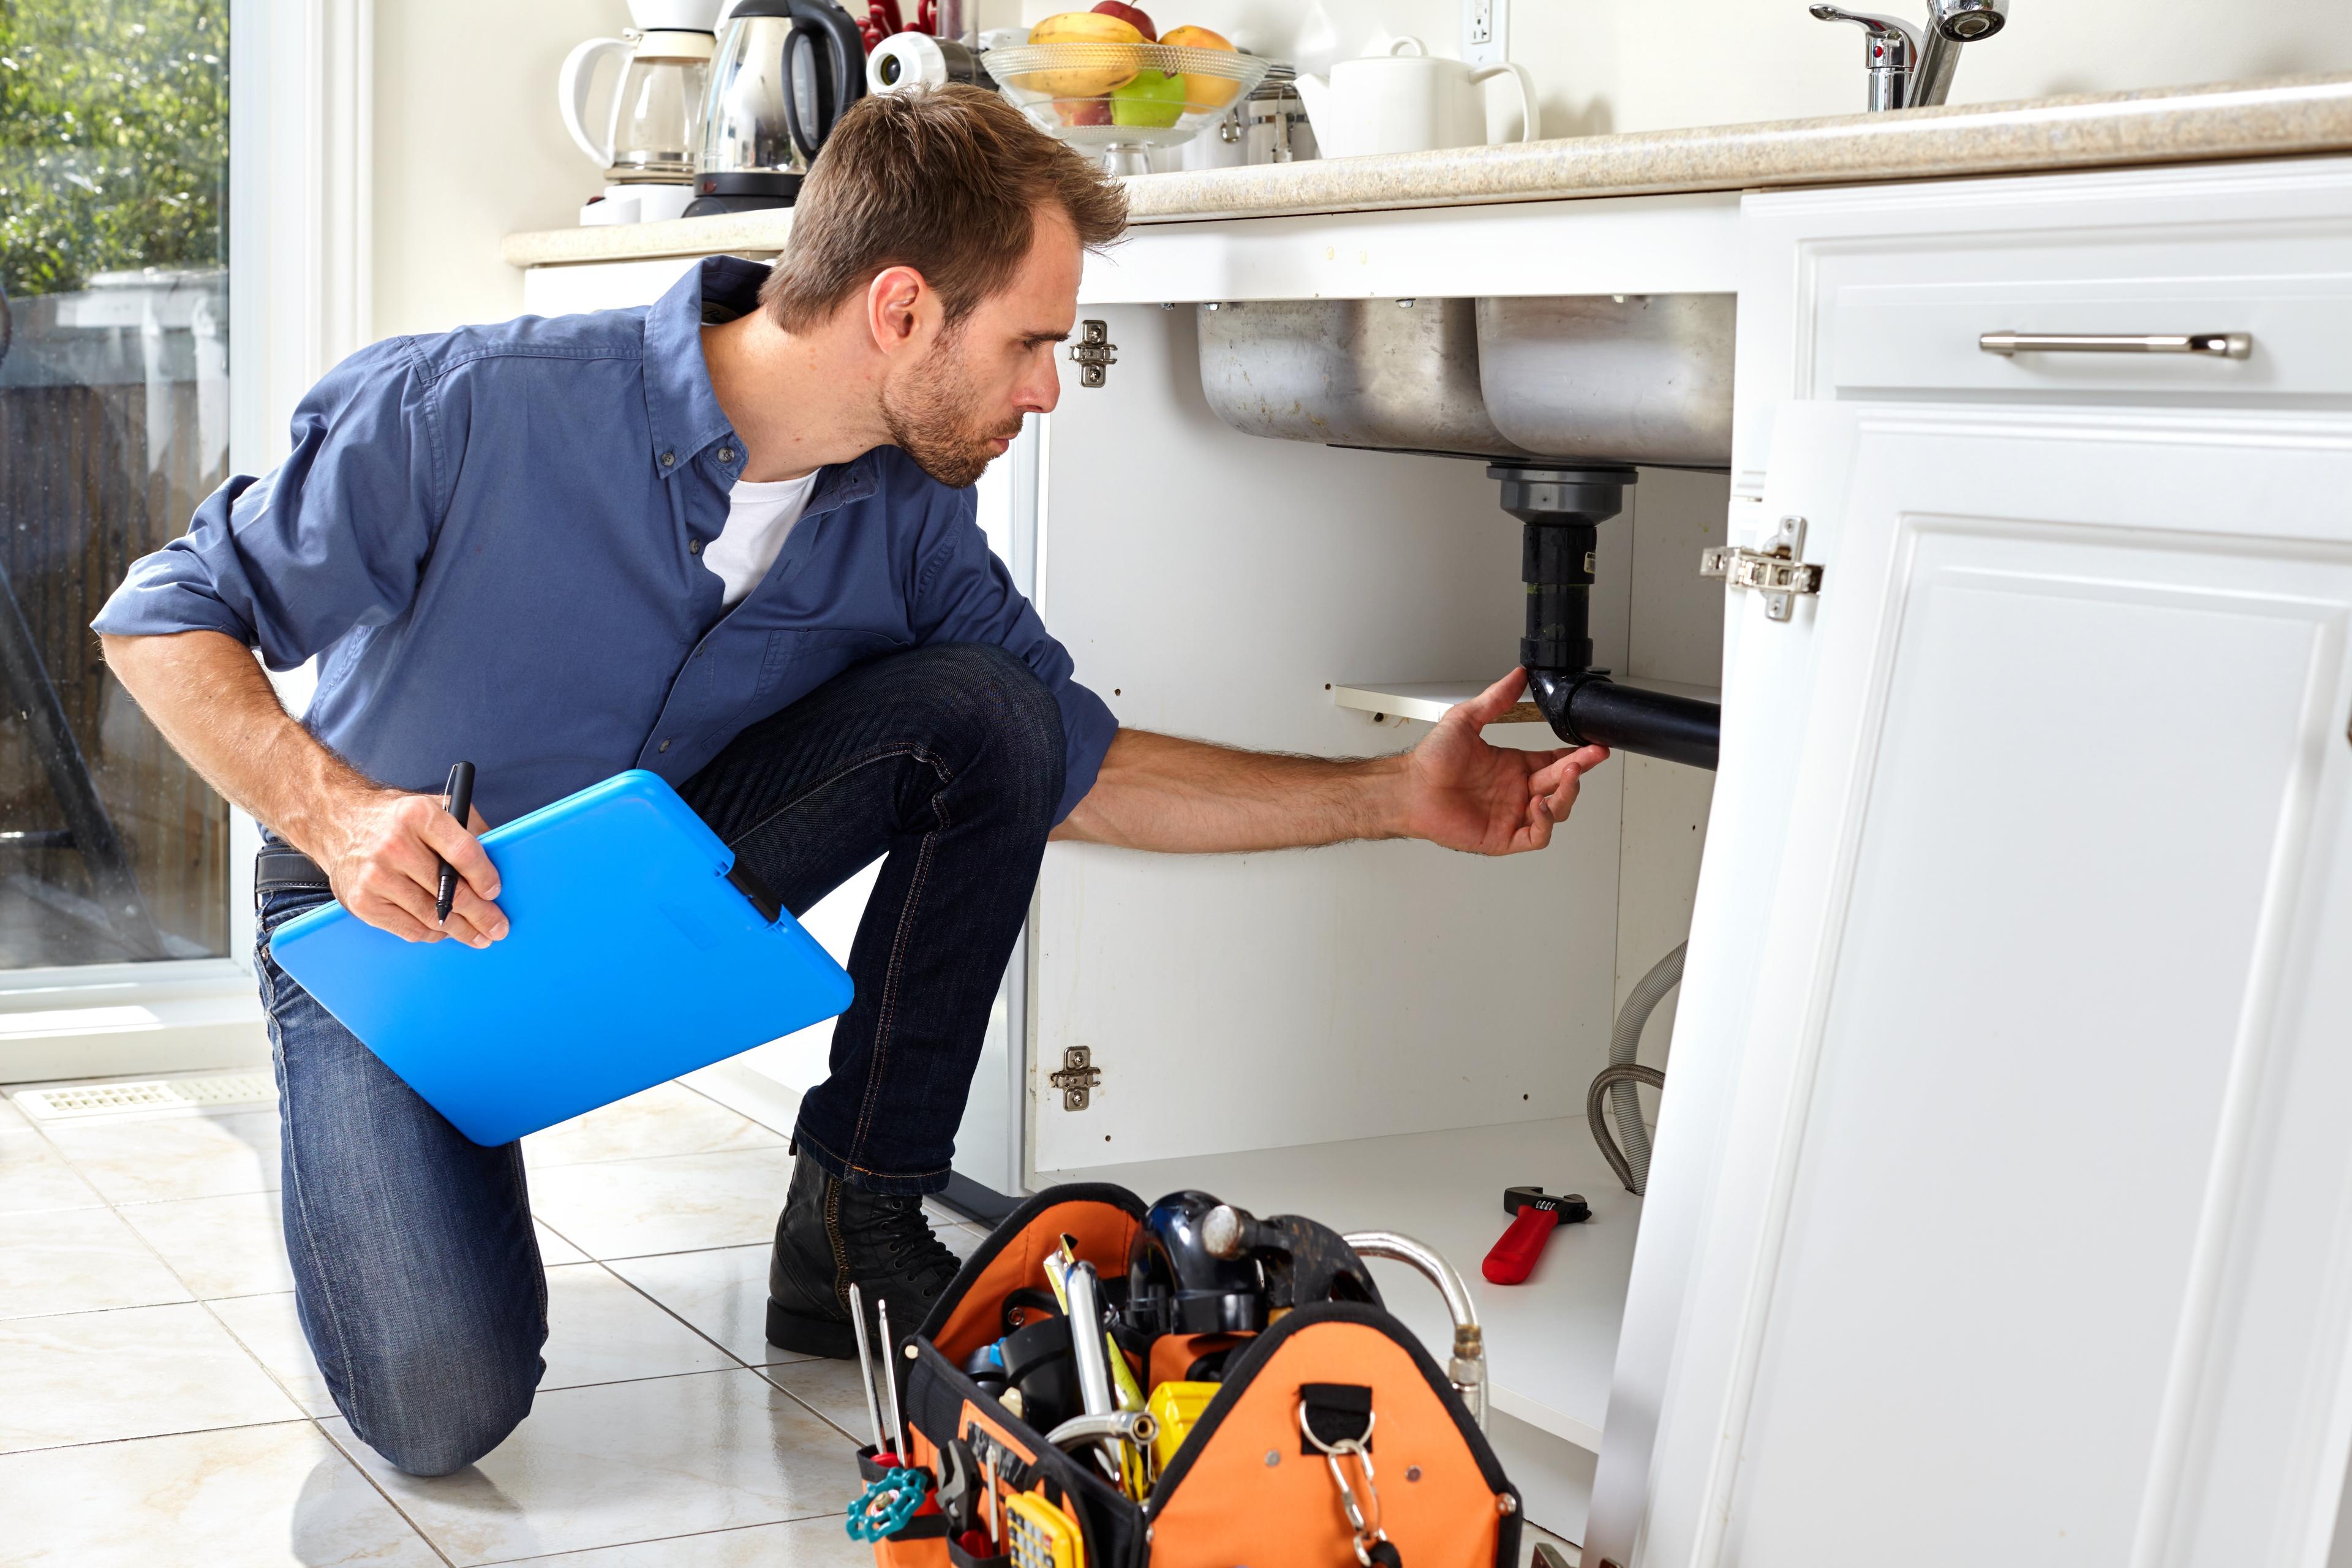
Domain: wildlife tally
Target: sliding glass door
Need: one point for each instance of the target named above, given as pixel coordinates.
(114, 423)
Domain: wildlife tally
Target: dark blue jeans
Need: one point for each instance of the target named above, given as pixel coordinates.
(416, 1274)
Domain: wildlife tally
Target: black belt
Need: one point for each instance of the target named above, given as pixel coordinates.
(278, 866)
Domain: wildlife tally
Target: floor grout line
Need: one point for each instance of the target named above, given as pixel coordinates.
(689, 1326)
(300, 1417)
(393, 1503)
(657, 1540)
(672, 1154)
(115, 1209)
(238, 1341)
(776, 1147)
(639, 1257)
(762, 1373)
(196, 1198)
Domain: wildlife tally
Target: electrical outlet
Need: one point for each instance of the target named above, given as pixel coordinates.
(1486, 31)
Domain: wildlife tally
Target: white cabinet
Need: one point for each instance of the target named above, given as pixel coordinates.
(2002, 1204)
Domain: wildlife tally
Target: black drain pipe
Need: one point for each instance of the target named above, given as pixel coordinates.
(1562, 510)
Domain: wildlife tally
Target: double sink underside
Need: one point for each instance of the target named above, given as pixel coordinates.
(1610, 378)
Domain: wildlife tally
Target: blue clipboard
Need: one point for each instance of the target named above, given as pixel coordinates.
(635, 952)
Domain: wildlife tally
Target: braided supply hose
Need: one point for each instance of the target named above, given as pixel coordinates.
(1625, 1049)
(1603, 1081)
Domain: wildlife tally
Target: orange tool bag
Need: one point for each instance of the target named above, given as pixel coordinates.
(1306, 1426)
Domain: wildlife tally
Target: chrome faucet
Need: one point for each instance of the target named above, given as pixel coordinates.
(1912, 67)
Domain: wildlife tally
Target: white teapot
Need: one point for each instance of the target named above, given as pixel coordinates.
(1407, 100)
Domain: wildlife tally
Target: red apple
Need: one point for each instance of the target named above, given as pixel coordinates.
(1082, 111)
(1131, 16)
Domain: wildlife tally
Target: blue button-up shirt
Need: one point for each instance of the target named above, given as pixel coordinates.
(491, 540)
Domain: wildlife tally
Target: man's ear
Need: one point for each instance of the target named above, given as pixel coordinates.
(898, 308)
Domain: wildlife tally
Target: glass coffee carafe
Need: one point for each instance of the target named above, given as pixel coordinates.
(650, 130)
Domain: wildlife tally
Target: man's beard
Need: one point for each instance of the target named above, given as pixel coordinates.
(929, 420)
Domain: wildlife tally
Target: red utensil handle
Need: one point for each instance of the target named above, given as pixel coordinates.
(1513, 1258)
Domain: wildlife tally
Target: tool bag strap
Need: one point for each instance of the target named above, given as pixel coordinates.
(1334, 1413)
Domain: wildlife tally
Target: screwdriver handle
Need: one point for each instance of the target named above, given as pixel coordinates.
(1513, 1258)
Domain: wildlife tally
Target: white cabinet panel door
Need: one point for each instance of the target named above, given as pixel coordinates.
(2016, 1208)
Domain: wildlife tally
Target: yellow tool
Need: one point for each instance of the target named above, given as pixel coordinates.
(1039, 1535)
(1175, 1405)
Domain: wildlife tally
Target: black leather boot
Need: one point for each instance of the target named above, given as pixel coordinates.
(832, 1233)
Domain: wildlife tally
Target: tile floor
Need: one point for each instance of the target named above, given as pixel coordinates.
(158, 1405)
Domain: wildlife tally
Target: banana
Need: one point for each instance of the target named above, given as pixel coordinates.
(1091, 79)
(1084, 28)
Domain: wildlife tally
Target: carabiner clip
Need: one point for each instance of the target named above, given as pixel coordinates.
(1369, 1535)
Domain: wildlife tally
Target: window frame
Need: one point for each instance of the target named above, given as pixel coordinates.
(300, 146)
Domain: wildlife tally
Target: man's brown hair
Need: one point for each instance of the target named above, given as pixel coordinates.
(947, 181)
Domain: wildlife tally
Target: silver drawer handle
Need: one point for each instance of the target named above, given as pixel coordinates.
(2221, 345)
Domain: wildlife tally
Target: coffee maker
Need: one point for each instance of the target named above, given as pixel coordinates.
(649, 133)
(782, 76)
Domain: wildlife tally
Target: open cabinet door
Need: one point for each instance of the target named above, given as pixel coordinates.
(2001, 1207)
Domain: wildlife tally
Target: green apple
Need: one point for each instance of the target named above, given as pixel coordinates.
(1154, 98)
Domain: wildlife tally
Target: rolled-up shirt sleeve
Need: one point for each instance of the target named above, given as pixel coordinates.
(335, 539)
(964, 594)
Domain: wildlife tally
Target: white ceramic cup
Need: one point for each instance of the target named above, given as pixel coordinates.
(636, 204)
(1408, 101)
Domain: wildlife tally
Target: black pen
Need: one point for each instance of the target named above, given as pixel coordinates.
(458, 796)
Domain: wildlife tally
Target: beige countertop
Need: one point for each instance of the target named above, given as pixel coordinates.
(2277, 118)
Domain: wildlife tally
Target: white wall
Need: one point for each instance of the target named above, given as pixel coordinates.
(469, 148)
(1638, 65)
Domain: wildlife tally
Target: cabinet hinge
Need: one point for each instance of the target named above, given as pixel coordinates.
(1775, 571)
(1079, 1078)
(1093, 354)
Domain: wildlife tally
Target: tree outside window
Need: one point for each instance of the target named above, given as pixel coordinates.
(113, 426)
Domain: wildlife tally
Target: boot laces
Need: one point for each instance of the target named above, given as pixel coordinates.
(896, 1241)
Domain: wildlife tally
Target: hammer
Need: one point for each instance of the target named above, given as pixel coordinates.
(1535, 1216)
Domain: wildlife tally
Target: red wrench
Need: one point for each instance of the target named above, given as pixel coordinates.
(1536, 1216)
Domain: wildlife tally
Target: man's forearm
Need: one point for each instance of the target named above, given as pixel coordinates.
(206, 694)
(382, 848)
(1158, 791)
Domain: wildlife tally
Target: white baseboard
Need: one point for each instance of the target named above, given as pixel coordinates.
(132, 1020)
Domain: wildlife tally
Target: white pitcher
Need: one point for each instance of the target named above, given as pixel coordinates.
(1407, 100)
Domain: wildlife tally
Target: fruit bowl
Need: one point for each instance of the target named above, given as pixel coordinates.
(1117, 102)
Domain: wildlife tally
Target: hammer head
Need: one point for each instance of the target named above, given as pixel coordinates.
(1570, 1207)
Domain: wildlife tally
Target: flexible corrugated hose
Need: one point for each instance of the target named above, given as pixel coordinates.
(1625, 1049)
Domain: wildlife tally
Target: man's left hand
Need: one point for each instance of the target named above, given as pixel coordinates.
(1466, 795)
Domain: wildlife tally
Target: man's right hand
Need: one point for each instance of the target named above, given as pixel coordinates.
(380, 850)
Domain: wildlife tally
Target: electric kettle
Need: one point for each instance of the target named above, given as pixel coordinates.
(784, 73)
(648, 142)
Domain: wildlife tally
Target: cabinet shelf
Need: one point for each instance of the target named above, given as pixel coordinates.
(1550, 1342)
(1428, 701)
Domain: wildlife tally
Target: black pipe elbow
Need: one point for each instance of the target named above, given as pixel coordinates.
(1585, 708)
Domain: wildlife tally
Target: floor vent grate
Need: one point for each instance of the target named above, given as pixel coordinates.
(127, 1098)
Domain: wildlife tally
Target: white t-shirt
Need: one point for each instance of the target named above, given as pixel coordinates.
(760, 517)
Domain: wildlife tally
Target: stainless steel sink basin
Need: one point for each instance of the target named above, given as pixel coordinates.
(1637, 379)
(1401, 374)
(1632, 378)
